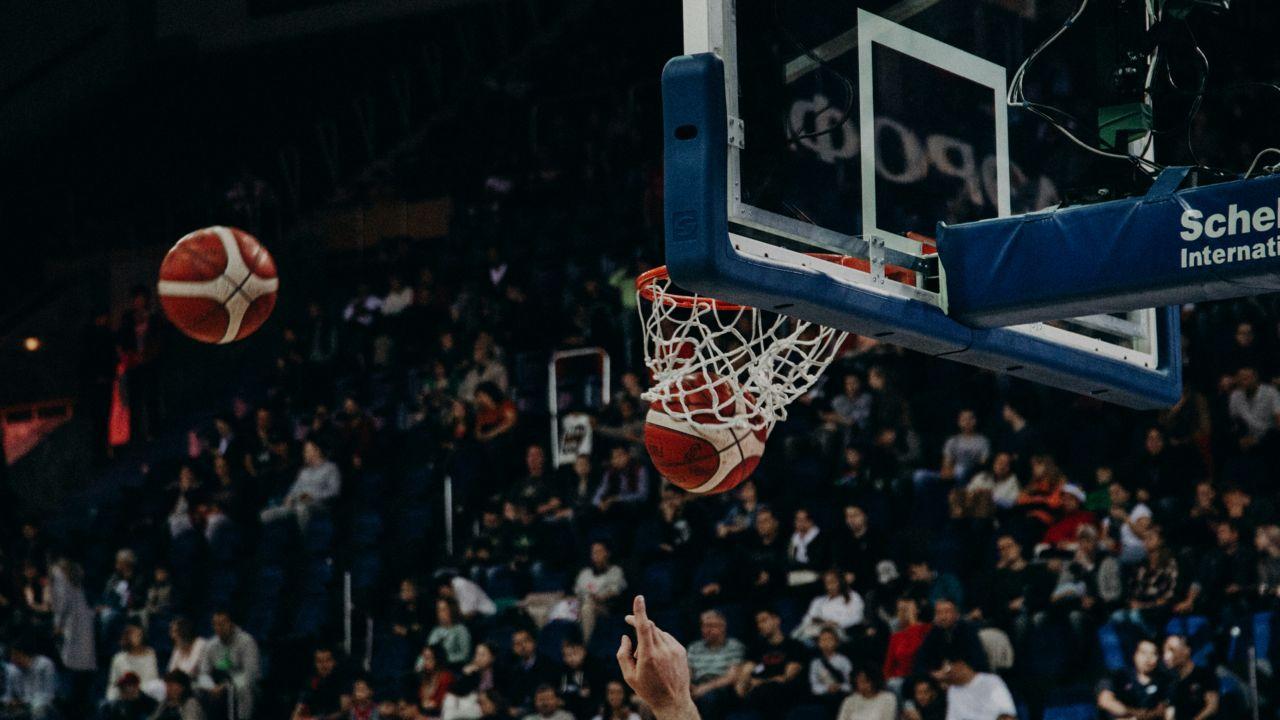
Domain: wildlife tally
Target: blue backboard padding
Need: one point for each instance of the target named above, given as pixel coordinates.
(1115, 256)
(701, 258)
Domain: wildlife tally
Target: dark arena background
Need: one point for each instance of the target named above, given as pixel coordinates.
(421, 490)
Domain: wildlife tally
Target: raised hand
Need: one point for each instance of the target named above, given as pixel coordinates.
(657, 668)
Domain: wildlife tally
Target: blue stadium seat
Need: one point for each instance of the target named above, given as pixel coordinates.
(740, 625)
(366, 528)
(657, 583)
(1077, 711)
(1189, 626)
(417, 483)
(316, 578)
(1113, 656)
(261, 622)
(412, 524)
(552, 636)
(318, 539)
(603, 643)
(809, 712)
(309, 617)
(1262, 634)
(391, 659)
(223, 582)
(365, 568)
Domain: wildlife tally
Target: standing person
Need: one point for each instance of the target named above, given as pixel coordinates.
(229, 671)
(139, 343)
(1194, 694)
(73, 626)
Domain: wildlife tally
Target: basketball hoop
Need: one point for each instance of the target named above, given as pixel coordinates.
(754, 362)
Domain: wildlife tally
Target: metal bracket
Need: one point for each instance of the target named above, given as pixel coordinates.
(737, 133)
(875, 254)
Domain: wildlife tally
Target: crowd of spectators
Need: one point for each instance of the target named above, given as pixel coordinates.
(922, 539)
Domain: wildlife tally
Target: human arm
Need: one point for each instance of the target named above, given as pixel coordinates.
(1211, 702)
(1108, 702)
(656, 668)
(507, 422)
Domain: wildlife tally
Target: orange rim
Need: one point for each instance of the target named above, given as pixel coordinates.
(647, 279)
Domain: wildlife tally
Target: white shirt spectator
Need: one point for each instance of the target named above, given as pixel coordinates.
(842, 611)
(881, 706)
(986, 697)
(1257, 413)
(143, 665)
(189, 661)
(821, 678)
(472, 599)
(1004, 492)
(321, 482)
(966, 452)
(35, 686)
(1132, 549)
(397, 300)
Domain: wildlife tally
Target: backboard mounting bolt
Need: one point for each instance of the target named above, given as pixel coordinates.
(737, 133)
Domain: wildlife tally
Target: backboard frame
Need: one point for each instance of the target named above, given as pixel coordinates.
(708, 252)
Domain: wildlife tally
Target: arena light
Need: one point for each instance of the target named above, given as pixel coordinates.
(31, 344)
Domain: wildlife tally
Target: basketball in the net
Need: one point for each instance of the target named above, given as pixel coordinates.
(701, 457)
(218, 284)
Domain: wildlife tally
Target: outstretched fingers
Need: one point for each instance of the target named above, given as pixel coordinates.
(626, 660)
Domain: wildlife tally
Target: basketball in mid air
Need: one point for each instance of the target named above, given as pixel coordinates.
(703, 454)
(218, 285)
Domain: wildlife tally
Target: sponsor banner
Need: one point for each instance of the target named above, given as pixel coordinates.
(1167, 248)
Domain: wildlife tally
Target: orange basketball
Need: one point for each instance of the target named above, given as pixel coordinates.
(218, 284)
(702, 458)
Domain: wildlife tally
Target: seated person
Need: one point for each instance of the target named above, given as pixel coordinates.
(327, 693)
(870, 700)
(130, 703)
(769, 680)
(838, 609)
(713, 664)
(179, 703)
(579, 682)
(1140, 692)
(830, 673)
(617, 703)
(546, 705)
(30, 682)
(318, 482)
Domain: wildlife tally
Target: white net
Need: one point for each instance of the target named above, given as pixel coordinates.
(716, 365)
